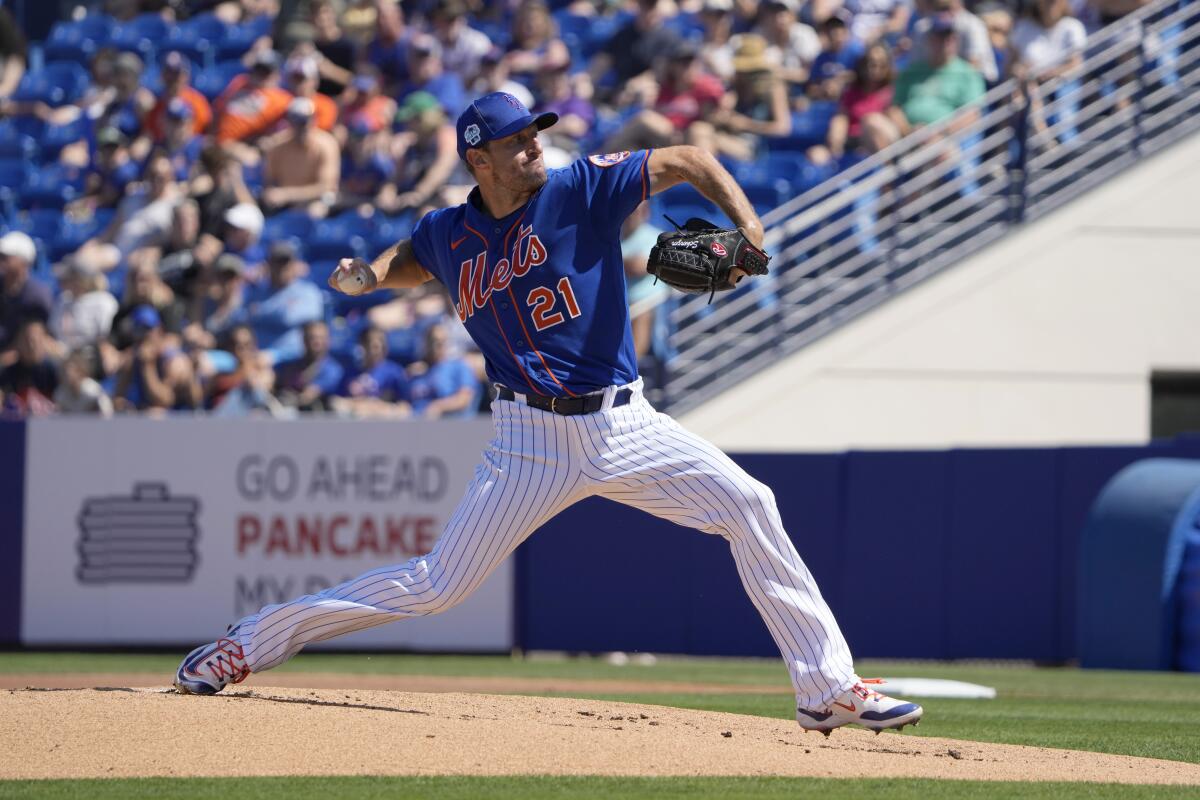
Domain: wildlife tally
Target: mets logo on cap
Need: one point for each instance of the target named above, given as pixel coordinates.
(471, 134)
(609, 159)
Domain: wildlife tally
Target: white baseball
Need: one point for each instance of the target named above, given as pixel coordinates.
(352, 280)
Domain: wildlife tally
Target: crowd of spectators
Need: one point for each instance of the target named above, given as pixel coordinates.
(199, 285)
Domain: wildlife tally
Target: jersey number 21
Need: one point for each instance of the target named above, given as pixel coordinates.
(542, 301)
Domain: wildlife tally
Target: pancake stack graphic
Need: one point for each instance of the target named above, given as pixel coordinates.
(148, 536)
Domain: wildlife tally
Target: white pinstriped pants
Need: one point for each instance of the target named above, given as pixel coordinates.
(540, 463)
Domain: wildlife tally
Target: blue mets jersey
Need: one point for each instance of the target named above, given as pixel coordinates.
(542, 291)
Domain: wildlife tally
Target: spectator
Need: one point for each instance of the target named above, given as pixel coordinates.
(756, 107)
(999, 24)
(21, 296)
(31, 379)
(444, 384)
(791, 45)
(221, 305)
(310, 382)
(180, 143)
(366, 107)
(494, 77)
(637, 237)
(861, 123)
(1048, 42)
(78, 392)
(144, 289)
(686, 96)
(834, 66)
(388, 50)
(717, 51)
(218, 187)
(111, 170)
(130, 101)
(84, 311)
(154, 375)
(247, 387)
(278, 309)
(535, 44)
(379, 387)
(635, 48)
(426, 152)
(303, 168)
(177, 86)
(302, 79)
(576, 115)
(463, 47)
(427, 74)
(337, 53)
(14, 54)
(872, 20)
(974, 44)
(241, 235)
(930, 91)
(143, 219)
(251, 105)
(366, 170)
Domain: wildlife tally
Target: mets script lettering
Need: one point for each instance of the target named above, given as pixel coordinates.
(473, 294)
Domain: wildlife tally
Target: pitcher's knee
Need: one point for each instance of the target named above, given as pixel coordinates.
(753, 505)
(423, 587)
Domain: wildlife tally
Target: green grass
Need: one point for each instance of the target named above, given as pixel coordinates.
(1131, 713)
(537, 788)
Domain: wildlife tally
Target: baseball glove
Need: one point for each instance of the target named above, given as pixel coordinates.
(699, 258)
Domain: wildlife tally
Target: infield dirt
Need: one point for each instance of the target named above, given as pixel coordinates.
(137, 732)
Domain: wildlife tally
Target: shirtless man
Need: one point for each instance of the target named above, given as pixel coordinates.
(304, 166)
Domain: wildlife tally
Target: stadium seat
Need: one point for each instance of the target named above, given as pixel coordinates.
(15, 144)
(199, 39)
(56, 137)
(78, 41)
(809, 128)
(287, 225)
(237, 39)
(142, 35)
(213, 80)
(52, 186)
(56, 84)
(329, 245)
(687, 26)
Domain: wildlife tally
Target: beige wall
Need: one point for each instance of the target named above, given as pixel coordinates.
(1047, 337)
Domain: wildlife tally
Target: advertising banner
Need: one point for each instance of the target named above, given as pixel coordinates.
(143, 532)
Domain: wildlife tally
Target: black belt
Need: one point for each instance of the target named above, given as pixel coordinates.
(568, 406)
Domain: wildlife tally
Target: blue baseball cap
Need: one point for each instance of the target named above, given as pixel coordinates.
(495, 116)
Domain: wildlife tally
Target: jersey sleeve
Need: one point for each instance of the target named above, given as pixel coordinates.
(613, 184)
(424, 244)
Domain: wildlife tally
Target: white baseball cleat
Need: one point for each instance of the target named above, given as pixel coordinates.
(861, 705)
(211, 667)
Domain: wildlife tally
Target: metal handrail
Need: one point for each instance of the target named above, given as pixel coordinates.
(910, 210)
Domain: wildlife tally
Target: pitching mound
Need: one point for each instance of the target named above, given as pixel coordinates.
(80, 733)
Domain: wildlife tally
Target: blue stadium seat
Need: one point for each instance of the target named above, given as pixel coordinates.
(287, 225)
(237, 39)
(355, 224)
(52, 186)
(213, 80)
(56, 84)
(688, 26)
(330, 245)
(13, 174)
(388, 231)
(602, 29)
(15, 144)
(56, 137)
(199, 39)
(142, 35)
(78, 41)
(42, 223)
(809, 128)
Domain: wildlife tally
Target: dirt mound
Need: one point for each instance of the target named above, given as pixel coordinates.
(123, 732)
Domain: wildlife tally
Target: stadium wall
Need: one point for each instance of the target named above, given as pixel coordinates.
(931, 554)
(1046, 338)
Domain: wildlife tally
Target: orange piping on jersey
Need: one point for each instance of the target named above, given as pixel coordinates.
(521, 319)
(500, 327)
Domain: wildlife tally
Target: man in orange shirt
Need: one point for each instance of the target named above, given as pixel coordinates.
(253, 102)
(176, 83)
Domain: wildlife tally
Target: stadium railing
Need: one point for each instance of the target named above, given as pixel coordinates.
(939, 195)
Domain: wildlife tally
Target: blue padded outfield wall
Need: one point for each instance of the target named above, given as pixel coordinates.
(933, 554)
